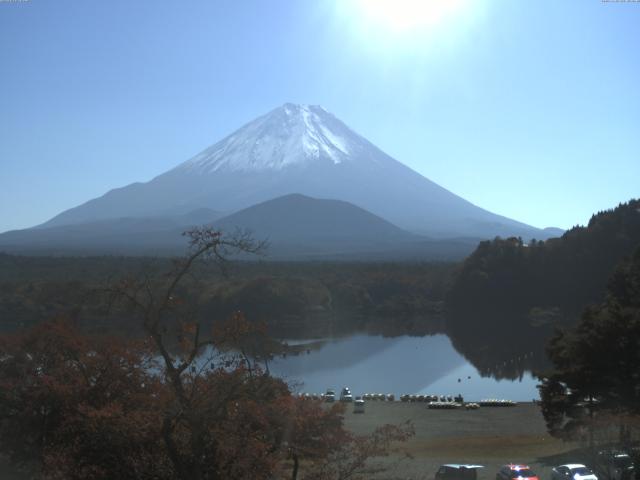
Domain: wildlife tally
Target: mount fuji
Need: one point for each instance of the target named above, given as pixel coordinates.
(295, 149)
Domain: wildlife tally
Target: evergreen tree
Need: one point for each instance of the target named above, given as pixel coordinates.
(595, 381)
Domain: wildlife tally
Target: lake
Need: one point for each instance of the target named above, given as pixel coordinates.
(420, 365)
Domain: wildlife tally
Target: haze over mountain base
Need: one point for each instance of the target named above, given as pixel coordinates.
(294, 149)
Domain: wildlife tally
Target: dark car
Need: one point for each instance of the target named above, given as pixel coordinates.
(614, 465)
(455, 471)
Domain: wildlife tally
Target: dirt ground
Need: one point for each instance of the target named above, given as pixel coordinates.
(488, 436)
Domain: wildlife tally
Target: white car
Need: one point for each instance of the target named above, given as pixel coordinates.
(572, 471)
(346, 396)
(330, 396)
(358, 405)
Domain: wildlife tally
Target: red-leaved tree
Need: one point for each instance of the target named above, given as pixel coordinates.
(175, 404)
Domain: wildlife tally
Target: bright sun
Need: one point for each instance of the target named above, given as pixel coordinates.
(401, 16)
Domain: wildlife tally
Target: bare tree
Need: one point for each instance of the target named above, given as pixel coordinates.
(159, 307)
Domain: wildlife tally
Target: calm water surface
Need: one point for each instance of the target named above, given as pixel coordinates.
(364, 363)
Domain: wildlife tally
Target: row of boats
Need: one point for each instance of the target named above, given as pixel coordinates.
(471, 405)
(433, 401)
(453, 405)
(431, 398)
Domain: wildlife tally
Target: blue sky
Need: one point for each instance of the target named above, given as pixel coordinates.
(528, 109)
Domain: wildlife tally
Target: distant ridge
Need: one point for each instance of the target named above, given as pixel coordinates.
(298, 218)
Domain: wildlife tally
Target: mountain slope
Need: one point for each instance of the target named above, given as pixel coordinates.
(132, 235)
(303, 149)
(295, 226)
(298, 227)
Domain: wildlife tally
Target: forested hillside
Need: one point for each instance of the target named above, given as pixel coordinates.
(294, 299)
(502, 303)
(507, 297)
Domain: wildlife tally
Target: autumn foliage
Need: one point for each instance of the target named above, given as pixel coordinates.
(175, 404)
(79, 407)
(85, 407)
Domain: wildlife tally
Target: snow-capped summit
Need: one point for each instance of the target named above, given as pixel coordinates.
(289, 135)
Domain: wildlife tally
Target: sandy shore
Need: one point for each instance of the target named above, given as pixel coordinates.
(488, 436)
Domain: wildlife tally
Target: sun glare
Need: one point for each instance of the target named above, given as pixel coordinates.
(389, 28)
(408, 15)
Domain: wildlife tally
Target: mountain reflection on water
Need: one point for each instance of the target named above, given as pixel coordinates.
(365, 363)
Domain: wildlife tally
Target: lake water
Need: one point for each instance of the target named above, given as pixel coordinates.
(420, 365)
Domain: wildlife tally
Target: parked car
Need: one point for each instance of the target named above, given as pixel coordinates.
(346, 396)
(512, 471)
(572, 471)
(358, 405)
(614, 465)
(455, 471)
(330, 396)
